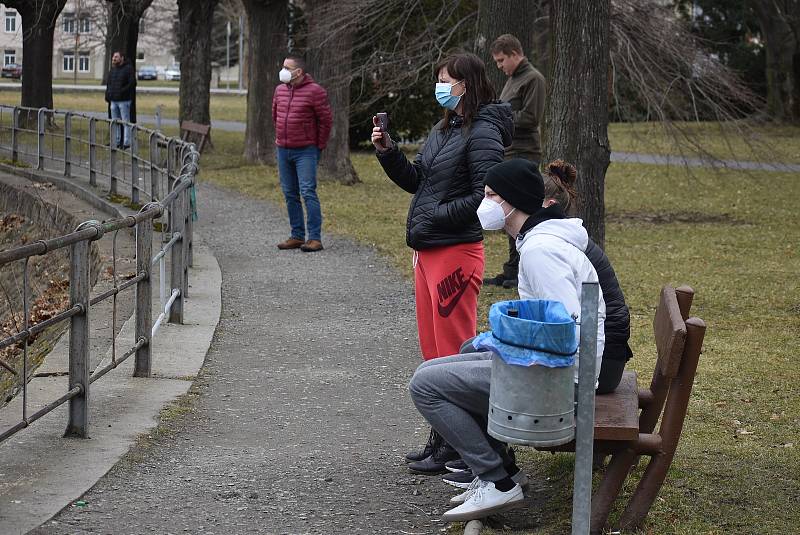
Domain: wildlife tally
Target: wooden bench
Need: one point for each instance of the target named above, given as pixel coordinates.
(196, 133)
(625, 419)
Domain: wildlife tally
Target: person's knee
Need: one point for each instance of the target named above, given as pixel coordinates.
(422, 383)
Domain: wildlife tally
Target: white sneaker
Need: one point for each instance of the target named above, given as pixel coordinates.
(520, 478)
(485, 500)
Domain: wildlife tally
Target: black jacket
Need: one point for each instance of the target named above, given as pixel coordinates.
(447, 176)
(618, 317)
(121, 83)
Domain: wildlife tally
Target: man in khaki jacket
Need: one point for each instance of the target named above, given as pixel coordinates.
(525, 91)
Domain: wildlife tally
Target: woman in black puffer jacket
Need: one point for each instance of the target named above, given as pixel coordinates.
(446, 179)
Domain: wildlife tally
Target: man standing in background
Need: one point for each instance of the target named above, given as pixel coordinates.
(303, 122)
(525, 91)
(120, 90)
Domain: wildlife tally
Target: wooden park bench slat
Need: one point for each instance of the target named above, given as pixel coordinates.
(196, 133)
(616, 415)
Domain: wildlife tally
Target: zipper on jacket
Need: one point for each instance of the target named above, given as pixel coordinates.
(286, 119)
(416, 197)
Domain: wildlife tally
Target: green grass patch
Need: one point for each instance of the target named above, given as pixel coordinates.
(764, 143)
(224, 107)
(735, 467)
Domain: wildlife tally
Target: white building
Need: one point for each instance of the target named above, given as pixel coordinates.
(79, 38)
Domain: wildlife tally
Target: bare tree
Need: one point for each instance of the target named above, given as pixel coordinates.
(661, 73)
(196, 18)
(39, 19)
(330, 57)
(576, 116)
(267, 37)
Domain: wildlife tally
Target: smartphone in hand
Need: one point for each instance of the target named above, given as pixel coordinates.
(383, 120)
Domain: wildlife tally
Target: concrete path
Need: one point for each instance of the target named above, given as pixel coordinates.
(302, 413)
(40, 471)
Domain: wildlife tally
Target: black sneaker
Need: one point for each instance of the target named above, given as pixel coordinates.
(509, 283)
(434, 464)
(497, 280)
(434, 441)
(456, 466)
(459, 479)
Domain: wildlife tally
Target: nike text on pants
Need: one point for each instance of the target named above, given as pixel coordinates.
(447, 281)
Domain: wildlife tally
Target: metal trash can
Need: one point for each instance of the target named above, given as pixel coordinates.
(532, 393)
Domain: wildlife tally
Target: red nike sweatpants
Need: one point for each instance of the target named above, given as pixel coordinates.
(447, 283)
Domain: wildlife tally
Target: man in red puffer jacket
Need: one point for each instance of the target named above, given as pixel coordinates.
(303, 121)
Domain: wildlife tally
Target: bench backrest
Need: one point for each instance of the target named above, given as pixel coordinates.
(669, 328)
(188, 128)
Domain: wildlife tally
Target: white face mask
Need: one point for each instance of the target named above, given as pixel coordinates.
(491, 214)
(285, 75)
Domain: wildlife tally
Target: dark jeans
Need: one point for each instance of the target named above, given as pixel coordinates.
(298, 173)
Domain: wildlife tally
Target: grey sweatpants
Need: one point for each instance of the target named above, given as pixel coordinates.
(452, 393)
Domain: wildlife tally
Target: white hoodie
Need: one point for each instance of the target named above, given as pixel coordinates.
(553, 266)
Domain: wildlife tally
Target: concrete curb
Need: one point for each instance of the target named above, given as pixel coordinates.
(42, 472)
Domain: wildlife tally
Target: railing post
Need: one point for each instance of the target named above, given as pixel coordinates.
(153, 153)
(79, 362)
(176, 216)
(112, 157)
(40, 120)
(67, 144)
(170, 163)
(93, 151)
(14, 134)
(134, 165)
(186, 238)
(144, 297)
(189, 230)
(584, 429)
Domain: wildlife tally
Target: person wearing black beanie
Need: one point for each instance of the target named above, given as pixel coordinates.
(519, 183)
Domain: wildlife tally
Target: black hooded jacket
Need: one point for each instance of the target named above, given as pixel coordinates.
(121, 83)
(618, 317)
(447, 176)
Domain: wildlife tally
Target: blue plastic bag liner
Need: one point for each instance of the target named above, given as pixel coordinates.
(542, 333)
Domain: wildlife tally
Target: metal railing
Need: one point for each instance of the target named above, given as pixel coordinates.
(84, 147)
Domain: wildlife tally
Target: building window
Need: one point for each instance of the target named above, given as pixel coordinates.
(83, 62)
(140, 56)
(69, 23)
(9, 56)
(84, 25)
(69, 61)
(11, 21)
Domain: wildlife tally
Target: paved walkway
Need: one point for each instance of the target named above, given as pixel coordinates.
(302, 414)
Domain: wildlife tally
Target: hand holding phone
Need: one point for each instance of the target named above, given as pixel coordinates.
(383, 121)
(380, 135)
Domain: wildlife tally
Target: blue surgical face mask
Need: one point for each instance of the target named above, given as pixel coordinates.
(443, 96)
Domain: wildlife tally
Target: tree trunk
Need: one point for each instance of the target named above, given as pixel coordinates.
(267, 20)
(779, 45)
(123, 29)
(496, 17)
(329, 58)
(39, 19)
(576, 115)
(194, 37)
(123, 35)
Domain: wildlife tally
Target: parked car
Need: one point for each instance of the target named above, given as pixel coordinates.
(173, 73)
(12, 70)
(148, 72)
